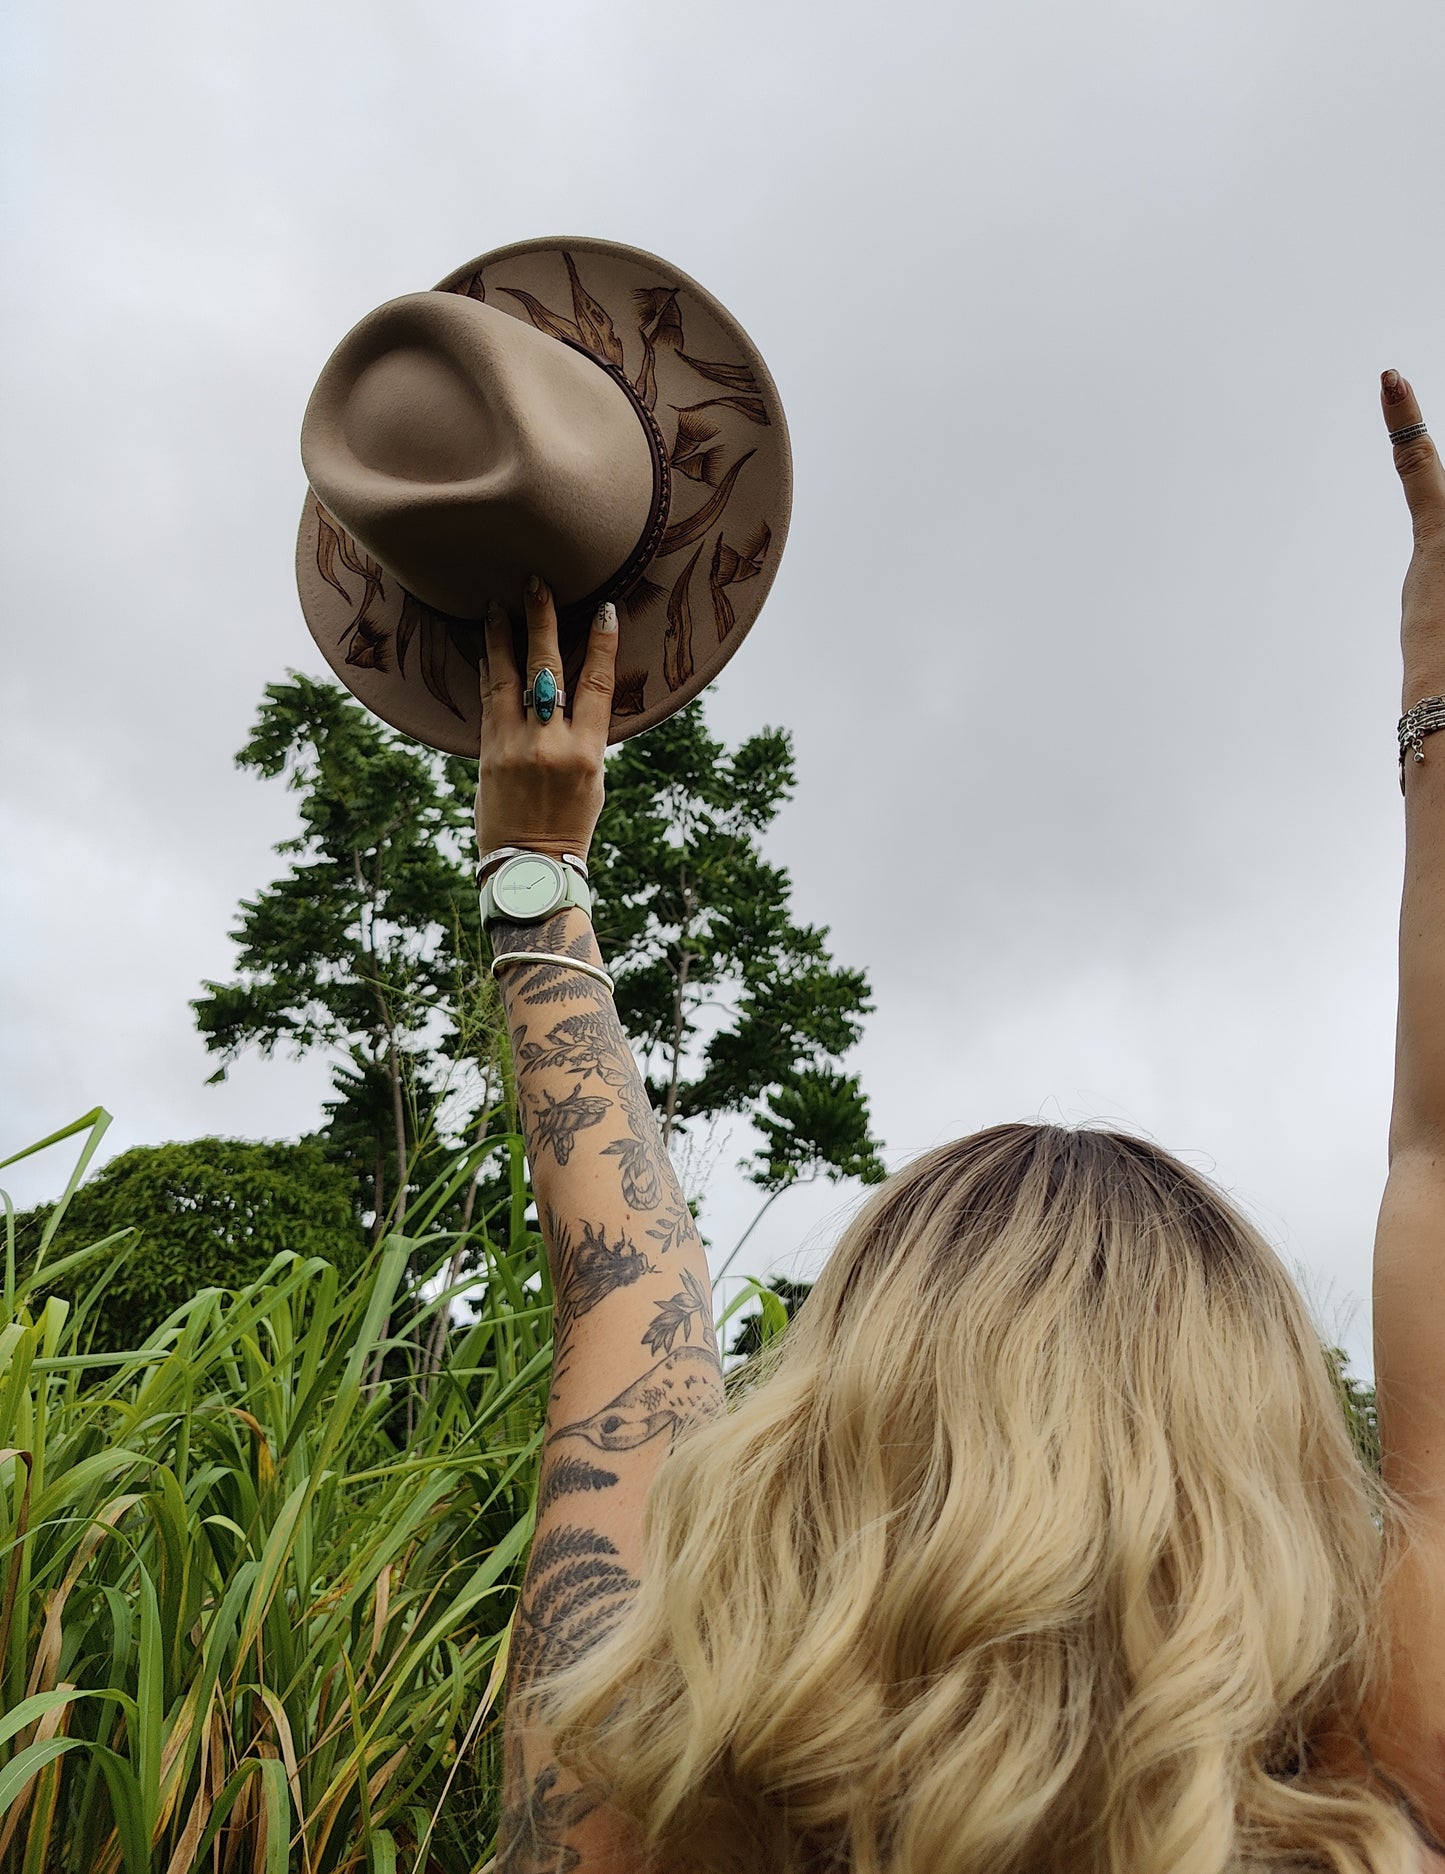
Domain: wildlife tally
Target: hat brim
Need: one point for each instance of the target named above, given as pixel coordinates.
(680, 620)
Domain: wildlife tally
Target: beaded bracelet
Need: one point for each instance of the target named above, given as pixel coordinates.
(1422, 719)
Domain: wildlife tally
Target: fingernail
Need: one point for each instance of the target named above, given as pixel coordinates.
(1393, 385)
(606, 619)
(495, 614)
(534, 587)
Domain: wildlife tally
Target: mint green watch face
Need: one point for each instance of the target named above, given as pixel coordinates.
(529, 888)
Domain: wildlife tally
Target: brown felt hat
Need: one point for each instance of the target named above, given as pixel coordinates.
(573, 408)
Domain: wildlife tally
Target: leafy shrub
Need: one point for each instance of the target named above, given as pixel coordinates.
(207, 1213)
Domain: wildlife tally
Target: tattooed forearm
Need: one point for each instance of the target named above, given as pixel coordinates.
(536, 1816)
(557, 1122)
(675, 1316)
(587, 1270)
(591, 1045)
(679, 1389)
(569, 1477)
(577, 1591)
(543, 981)
(673, 1226)
(640, 1152)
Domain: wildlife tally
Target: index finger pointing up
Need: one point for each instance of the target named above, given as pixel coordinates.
(1417, 460)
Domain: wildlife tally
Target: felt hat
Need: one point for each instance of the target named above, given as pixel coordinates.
(569, 407)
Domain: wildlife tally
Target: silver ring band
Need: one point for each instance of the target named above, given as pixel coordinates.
(1408, 433)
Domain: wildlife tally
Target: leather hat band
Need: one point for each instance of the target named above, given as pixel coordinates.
(647, 543)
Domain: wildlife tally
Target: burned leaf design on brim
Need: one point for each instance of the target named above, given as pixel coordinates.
(368, 647)
(682, 533)
(642, 595)
(629, 693)
(594, 322)
(328, 545)
(689, 457)
(333, 543)
(750, 407)
(730, 565)
(434, 641)
(437, 632)
(373, 588)
(660, 323)
(730, 376)
(475, 288)
(646, 385)
(413, 613)
(544, 321)
(677, 664)
(658, 317)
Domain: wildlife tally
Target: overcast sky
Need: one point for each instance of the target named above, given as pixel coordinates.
(1087, 625)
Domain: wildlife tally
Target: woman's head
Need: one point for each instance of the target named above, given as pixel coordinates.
(1041, 1544)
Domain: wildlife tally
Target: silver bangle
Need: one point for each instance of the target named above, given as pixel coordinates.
(1421, 719)
(539, 957)
(498, 853)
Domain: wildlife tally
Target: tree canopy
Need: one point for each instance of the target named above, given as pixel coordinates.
(369, 948)
(734, 1007)
(205, 1213)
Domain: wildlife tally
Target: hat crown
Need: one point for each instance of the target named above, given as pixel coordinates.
(414, 415)
(465, 450)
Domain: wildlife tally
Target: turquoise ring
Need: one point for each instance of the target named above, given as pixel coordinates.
(543, 694)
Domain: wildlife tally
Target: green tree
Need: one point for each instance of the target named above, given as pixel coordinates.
(205, 1213)
(734, 1006)
(369, 947)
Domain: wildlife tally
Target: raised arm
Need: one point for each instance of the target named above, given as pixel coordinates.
(635, 1357)
(1409, 1279)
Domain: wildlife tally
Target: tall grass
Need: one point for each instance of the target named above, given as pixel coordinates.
(254, 1605)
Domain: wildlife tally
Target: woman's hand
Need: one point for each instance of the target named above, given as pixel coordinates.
(1422, 619)
(540, 783)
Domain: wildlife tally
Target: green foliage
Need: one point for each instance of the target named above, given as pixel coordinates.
(242, 1627)
(369, 947)
(733, 1006)
(758, 1329)
(254, 1608)
(1357, 1401)
(205, 1213)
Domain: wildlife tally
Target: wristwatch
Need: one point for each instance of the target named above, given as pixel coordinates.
(532, 886)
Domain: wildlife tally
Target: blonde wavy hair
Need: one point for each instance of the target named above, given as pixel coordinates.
(1039, 1543)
